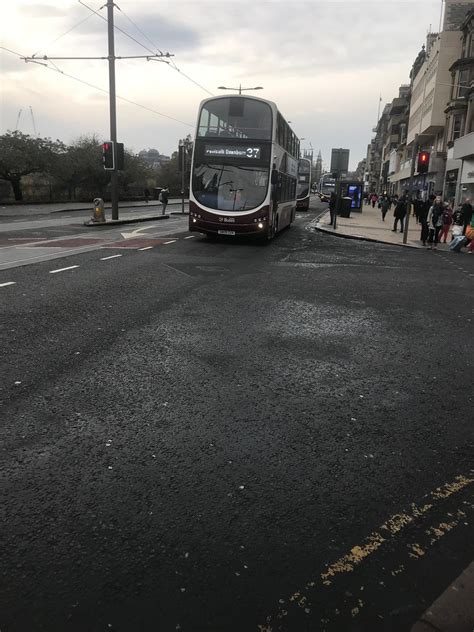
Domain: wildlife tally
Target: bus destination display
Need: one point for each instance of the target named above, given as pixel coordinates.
(231, 151)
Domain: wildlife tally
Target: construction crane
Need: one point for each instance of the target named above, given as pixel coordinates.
(20, 111)
(33, 121)
(18, 118)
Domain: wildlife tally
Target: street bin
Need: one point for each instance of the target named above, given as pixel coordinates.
(98, 213)
(345, 207)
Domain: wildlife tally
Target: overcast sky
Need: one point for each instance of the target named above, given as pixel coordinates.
(323, 63)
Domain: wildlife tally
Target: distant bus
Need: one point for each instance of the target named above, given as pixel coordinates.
(328, 185)
(244, 169)
(304, 182)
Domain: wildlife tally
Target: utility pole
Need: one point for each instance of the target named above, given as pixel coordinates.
(113, 108)
(112, 95)
(410, 192)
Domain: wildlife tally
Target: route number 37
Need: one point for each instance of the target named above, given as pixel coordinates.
(253, 152)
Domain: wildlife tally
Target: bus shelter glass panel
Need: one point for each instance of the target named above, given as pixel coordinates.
(230, 187)
(236, 117)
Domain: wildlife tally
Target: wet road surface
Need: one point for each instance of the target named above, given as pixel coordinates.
(229, 436)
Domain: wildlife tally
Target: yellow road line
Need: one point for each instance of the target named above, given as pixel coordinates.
(388, 530)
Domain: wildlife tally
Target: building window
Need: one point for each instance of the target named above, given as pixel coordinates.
(457, 126)
(463, 83)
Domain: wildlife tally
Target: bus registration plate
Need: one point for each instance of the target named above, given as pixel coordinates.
(226, 232)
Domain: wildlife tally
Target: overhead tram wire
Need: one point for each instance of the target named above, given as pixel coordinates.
(139, 29)
(117, 28)
(91, 85)
(66, 33)
(169, 62)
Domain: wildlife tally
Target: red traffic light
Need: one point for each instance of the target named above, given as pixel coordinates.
(423, 161)
(108, 155)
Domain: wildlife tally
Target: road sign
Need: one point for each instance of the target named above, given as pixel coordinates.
(339, 160)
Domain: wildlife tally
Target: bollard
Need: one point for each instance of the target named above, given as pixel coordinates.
(99, 212)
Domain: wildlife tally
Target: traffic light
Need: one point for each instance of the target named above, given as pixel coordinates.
(108, 155)
(423, 161)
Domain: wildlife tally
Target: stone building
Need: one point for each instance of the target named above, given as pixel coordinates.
(422, 124)
(459, 132)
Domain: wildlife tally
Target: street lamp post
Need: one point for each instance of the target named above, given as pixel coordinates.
(240, 88)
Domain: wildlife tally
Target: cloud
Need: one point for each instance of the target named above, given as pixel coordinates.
(323, 63)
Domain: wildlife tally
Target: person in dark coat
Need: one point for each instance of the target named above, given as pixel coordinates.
(164, 199)
(332, 206)
(399, 213)
(385, 204)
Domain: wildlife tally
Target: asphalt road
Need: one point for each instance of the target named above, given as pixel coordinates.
(229, 436)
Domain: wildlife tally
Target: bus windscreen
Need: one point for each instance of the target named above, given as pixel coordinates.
(230, 187)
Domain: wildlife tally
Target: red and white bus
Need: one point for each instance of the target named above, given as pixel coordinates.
(244, 169)
(304, 182)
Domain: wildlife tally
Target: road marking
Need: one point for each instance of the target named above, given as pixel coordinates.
(9, 283)
(62, 269)
(137, 231)
(386, 532)
(111, 257)
(169, 242)
(12, 264)
(190, 237)
(147, 248)
(176, 270)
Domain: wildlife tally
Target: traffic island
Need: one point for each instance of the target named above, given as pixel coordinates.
(129, 220)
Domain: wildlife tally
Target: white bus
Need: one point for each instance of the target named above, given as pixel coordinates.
(244, 169)
(304, 182)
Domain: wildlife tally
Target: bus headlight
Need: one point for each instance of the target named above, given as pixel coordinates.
(194, 221)
(260, 225)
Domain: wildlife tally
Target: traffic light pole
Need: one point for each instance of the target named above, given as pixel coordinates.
(113, 108)
(183, 163)
(410, 191)
(112, 95)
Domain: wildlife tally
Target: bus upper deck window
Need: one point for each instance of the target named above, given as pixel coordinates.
(236, 107)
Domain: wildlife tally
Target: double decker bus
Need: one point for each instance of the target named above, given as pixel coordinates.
(244, 169)
(304, 182)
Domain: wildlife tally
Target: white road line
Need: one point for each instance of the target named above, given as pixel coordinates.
(147, 248)
(169, 242)
(9, 283)
(190, 237)
(62, 269)
(111, 257)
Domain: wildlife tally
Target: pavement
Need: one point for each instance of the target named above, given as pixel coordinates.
(453, 611)
(21, 211)
(368, 225)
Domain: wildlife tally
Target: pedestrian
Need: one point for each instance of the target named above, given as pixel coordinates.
(385, 205)
(466, 209)
(373, 198)
(423, 210)
(447, 221)
(435, 222)
(332, 207)
(457, 225)
(470, 235)
(164, 199)
(147, 195)
(399, 214)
